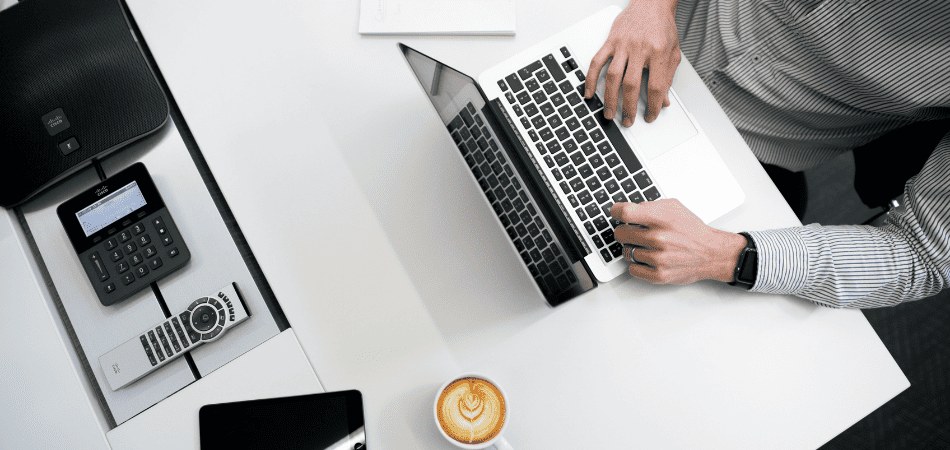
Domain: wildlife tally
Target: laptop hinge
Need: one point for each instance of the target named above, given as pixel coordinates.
(574, 239)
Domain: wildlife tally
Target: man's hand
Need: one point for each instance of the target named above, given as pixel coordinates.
(678, 247)
(643, 36)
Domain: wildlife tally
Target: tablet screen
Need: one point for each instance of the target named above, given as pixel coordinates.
(319, 421)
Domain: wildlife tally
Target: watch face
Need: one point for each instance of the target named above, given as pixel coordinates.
(749, 262)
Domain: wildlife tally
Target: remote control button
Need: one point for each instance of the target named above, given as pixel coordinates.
(221, 319)
(171, 337)
(99, 266)
(203, 318)
(138, 229)
(232, 317)
(158, 223)
(194, 336)
(144, 240)
(140, 214)
(167, 240)
(206, 337)
(129, 248)
(110, 244)
(122, 267)
(181, 334)
(158, 350)
(216, 332)
(125, 235)
(127, 279)
(155, 263)
(195, 303)
(161, 337)
(173, 252)
(116, 255)
(150, 251)
(137, 259)
(215, 303)
(142, 271)
(126, 222)
(110, 288)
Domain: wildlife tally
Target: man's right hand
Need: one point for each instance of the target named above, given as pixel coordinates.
(642, 36)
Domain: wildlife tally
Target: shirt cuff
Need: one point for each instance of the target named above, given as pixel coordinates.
(783, 261)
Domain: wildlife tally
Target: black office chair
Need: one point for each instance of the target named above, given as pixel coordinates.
(883, 166)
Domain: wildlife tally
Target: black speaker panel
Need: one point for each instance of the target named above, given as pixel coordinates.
(71, 72)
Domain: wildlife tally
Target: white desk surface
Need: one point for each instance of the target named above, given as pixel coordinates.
(395, 276)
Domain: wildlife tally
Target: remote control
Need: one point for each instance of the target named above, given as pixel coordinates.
(205, 320)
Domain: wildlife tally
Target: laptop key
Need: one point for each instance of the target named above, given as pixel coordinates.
(518, 110)
(565, 111)
(532, 85)
(553, 66)
(596, 135)
(550, 87)
(597, 241)
(628, 185)
(652, 193)
(595, 161)
(546, 134)
(578, 159)
(570, 145)
(620, 172)
(584, 197)
(643, 180)
(502, 85)
(539, 97)
(616, 249)
(525, 123)
(548, 161)
(514, 82)
(581, 110)
(554, 146)
(589, 123)
(456, 123)
(600, 223)
(572, 124)
(566, 53)
(569, 171)
(580, 214)
(538, 122)
(580, 76)
(524, 97)
(573, 98)
(587, 148)
(593, 210)
(578, 184)
(605, 149)
(601, 197)
(510, 97)
(526, 72)
(594, 103)
(467, 117)
(557, 174)
(560, 158)
(554, 121)
(533, 135)
(612, 186)
(603, 173)
(566, 87)
(593, 183)
(572, 199)
(604, 253)
(612, 160)
(585, 170)
(589, 226)
(636, 197)
(619, 197)
(543, 75)
(531, 110)
(547, 109)
(541, 148)
(557, 100)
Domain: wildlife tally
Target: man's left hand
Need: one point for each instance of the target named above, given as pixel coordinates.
(673, 246)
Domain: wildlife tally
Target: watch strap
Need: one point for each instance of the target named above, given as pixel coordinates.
(747, 264)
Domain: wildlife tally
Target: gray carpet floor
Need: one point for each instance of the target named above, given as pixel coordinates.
(917, 334)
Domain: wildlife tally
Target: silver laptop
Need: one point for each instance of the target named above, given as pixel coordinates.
(551, 166)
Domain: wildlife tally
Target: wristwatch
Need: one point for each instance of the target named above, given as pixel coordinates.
(747, 265)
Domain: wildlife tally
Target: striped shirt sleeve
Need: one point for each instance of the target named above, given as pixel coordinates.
(908, 258)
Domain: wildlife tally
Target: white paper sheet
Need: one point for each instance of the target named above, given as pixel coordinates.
(468, 17)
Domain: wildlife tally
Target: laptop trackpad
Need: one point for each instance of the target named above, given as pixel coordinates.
(671, 128)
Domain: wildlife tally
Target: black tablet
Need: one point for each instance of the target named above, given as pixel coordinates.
(333, 420)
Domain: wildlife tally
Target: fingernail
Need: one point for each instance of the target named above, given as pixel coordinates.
(609, 113)
(627, 122)
(587, 92)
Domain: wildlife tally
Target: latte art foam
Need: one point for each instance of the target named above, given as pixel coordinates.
(471, 410)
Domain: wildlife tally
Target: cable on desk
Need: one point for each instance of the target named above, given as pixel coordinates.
(168, 315)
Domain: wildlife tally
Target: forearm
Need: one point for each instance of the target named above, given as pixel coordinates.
(864, 266)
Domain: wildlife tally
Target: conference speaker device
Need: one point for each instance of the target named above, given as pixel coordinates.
(74, 86)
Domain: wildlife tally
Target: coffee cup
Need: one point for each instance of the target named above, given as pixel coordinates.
(472, 411)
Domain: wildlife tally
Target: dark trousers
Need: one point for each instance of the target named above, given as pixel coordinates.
(881, 167)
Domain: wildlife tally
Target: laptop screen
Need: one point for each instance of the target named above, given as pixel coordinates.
(448, 89)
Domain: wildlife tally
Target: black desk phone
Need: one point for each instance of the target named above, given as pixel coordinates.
(124, 235)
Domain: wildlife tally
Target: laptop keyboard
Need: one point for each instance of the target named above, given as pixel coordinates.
(570, 136)
(512, 202)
